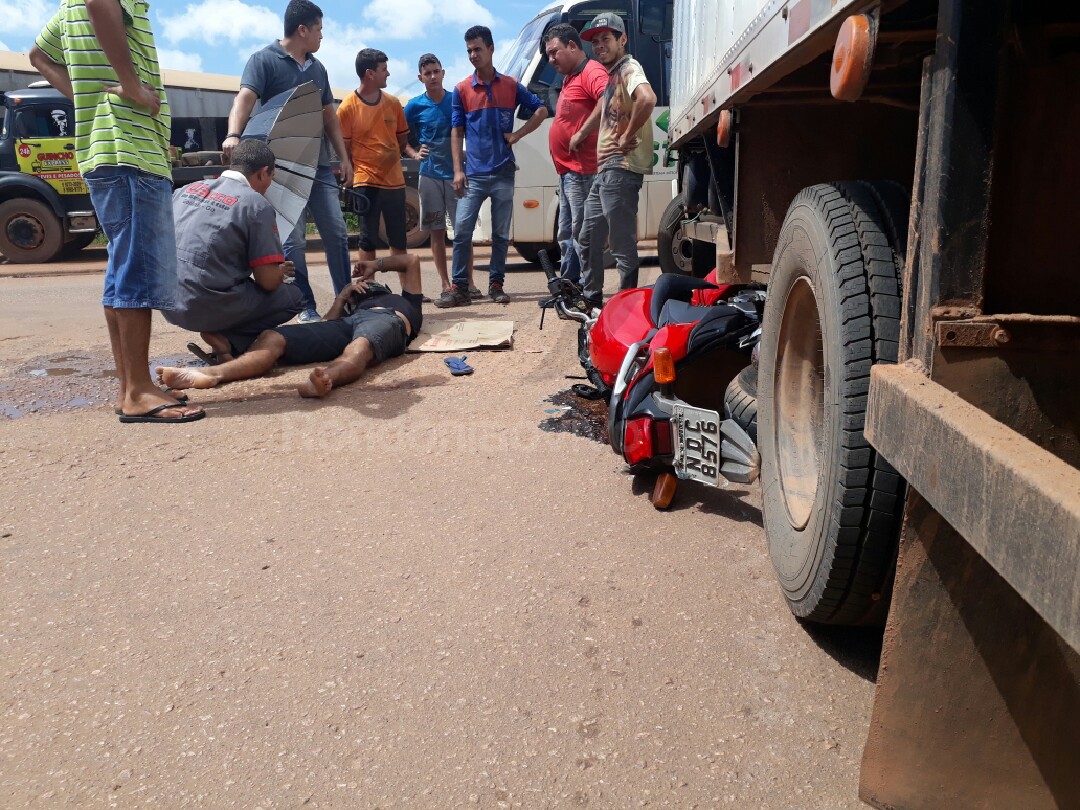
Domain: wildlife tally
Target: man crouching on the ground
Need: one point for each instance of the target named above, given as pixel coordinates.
(366, 325)
(231, 268)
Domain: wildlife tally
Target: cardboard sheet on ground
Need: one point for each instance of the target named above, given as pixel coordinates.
(465, 335)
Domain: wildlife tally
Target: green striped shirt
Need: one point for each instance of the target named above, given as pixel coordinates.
(109, 130)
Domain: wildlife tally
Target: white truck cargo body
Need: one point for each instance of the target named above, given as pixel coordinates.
(728, 48)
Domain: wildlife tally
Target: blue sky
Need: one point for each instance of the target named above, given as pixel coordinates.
(216, 36)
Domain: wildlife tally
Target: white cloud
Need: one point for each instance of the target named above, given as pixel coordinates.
(25, 16)
(338, 53)
(4, 47)
(201, 23)
(179, 60)
(395, 20)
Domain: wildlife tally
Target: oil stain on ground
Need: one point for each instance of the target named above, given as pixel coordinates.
(58, 383)
(573, 414)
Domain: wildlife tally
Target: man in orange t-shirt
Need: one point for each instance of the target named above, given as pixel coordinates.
(373, 126)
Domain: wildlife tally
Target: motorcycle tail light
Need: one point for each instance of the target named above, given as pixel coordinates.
(638, 440)
(663, 445)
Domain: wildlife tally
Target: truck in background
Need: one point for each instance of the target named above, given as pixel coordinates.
(536, 199)
(902, 175)
(45, 206)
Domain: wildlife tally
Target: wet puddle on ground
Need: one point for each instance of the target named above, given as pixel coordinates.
(58, 383)
(573, 414)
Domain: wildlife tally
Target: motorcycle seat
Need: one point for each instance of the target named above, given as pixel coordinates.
(672, 288)
(680, 312)
(716, 327)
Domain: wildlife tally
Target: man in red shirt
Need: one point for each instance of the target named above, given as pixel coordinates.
(572, 138)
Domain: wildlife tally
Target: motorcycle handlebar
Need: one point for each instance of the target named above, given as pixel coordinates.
(546, 265)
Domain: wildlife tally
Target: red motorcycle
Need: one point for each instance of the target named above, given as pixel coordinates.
(664, 356)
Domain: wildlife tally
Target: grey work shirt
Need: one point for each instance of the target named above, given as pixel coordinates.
(224, 229)
(272, 71)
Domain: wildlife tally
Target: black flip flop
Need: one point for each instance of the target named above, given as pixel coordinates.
(180, 397)
(150, 417)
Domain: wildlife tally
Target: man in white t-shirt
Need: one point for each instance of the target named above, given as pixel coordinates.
(624, 155)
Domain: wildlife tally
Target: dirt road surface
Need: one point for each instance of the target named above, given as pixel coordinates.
(406, 595)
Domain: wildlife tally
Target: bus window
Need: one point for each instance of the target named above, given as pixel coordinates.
(653, 46)
(519, 55)
(654, 19)
(582, 14)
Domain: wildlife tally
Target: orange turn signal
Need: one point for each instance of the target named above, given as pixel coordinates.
(663, 366)
(531, 203)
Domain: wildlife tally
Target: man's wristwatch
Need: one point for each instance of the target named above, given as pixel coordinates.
(379, 264)
(236, 135)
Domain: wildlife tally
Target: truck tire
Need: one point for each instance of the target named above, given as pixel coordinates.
(831, 505)
(77, 243)
(677, 252)
(740, 401)
(29, 231)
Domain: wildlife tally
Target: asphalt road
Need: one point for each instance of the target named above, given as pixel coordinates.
(405, 595)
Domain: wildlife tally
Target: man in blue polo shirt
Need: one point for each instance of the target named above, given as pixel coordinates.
(483, 115)
(281, 66)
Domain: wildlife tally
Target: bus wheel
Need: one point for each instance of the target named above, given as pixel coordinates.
(414, 237)
(29, 232)
(530, 251)
(832, 505)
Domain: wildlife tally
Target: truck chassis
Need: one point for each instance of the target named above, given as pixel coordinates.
(822, 111)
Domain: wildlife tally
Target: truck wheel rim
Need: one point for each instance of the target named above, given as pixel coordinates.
(681, 250)
(25, 232)
(799, 396)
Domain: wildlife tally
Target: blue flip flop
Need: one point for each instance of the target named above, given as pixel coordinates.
(458, 367)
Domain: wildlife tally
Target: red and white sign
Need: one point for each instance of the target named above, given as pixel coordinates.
(24, 150)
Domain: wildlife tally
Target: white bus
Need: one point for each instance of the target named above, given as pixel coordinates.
(536, 198)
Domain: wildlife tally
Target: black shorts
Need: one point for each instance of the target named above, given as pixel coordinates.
(389, 204)
(307, 343)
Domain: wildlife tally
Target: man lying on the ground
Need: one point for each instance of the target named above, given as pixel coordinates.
(366, 325)
(231, 268)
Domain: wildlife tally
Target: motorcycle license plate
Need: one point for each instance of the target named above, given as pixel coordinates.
(697, 444)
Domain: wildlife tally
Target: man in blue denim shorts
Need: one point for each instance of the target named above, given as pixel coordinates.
(104, 59)
(366, 325)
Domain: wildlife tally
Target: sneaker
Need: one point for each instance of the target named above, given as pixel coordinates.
(308, 316)
(496, 293)
(475, 294)
(452, 298)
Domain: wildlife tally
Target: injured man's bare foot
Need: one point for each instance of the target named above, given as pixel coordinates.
(219, 345)
(186, 377)
(319, 384)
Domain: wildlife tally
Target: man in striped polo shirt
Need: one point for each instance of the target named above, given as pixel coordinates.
(482, 116)
(101, 54)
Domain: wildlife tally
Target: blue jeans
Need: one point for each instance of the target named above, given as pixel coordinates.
(573, 190)
(610, 217)
(500, 189)
(325, 209)
(135, 212)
